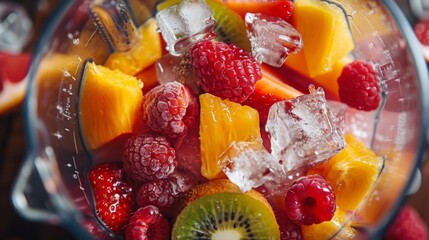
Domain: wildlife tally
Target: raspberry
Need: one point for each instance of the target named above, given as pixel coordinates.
(421, 29)
(359, 87)
(288, 229)
(310, 200)
(160, 193)
(170, 109)
(407, 225)
(148, 157)
(147, 223)
(113, 196)
(226, 71)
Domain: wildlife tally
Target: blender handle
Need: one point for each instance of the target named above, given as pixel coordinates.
(36, 193)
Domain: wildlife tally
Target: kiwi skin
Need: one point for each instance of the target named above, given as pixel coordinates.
(218, 186)
(225, 213)
(215, 187)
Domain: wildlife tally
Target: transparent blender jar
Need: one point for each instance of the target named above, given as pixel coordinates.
(52, 185)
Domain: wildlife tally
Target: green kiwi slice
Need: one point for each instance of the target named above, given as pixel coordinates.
(226, 215)
(230, 27)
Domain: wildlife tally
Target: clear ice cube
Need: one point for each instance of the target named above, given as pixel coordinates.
(15, 27)
(351, 120)
(302, 131)
(177, 68)
(248, 165)
(272, 38)
(185, 23)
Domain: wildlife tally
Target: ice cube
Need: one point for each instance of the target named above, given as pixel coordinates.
(185, 23)
(15, 27)
(272, 38)
(338, 111)
(248, 165)
(351, 120)
(177, 68)
(302, 131)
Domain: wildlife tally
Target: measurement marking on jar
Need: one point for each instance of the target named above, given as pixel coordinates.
(58, 135)
(76, 176)
(75, 144)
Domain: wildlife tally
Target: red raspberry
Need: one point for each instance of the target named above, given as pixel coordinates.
(148, 157)
(310, 200)
(359, 87)
(170, 109)
(288, 229)
(226, 71)
(113, 196)
(421, 29)
(160, 193)
(407, 225)
(147, 223)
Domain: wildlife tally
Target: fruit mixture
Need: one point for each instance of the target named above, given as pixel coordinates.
(217, 141)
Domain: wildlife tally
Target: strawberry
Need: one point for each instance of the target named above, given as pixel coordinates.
(113, 196)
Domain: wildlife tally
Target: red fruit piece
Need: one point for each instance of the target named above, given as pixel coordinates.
(359, 87)
(148, 157)
(310, 200)
(277, 8)
(170, 109)
(407, 226)
(288, 229)
(226, 71)
(147, 223)
(113, 196)
(269, 90)
(160, 193)
(421, 29)
(13, 67)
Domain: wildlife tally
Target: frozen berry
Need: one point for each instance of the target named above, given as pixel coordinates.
(170, 109)
(407, 226)
(160, 193)
(148, 157)
(288, 229)
(359, 87)
(421, 29)
(113, 196)
(310, 200)
(147, 223)
(226, 71)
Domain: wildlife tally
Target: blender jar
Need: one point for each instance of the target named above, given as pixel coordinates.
(52, 185)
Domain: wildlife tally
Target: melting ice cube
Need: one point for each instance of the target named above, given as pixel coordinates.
(351, 120)
(15, 27)
(272, 38)
(185, 23)
(248, 165)
(177, 68)
(302, 131)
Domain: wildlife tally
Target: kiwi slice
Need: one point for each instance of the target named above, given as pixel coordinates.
(230, 27)
(226, 215)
